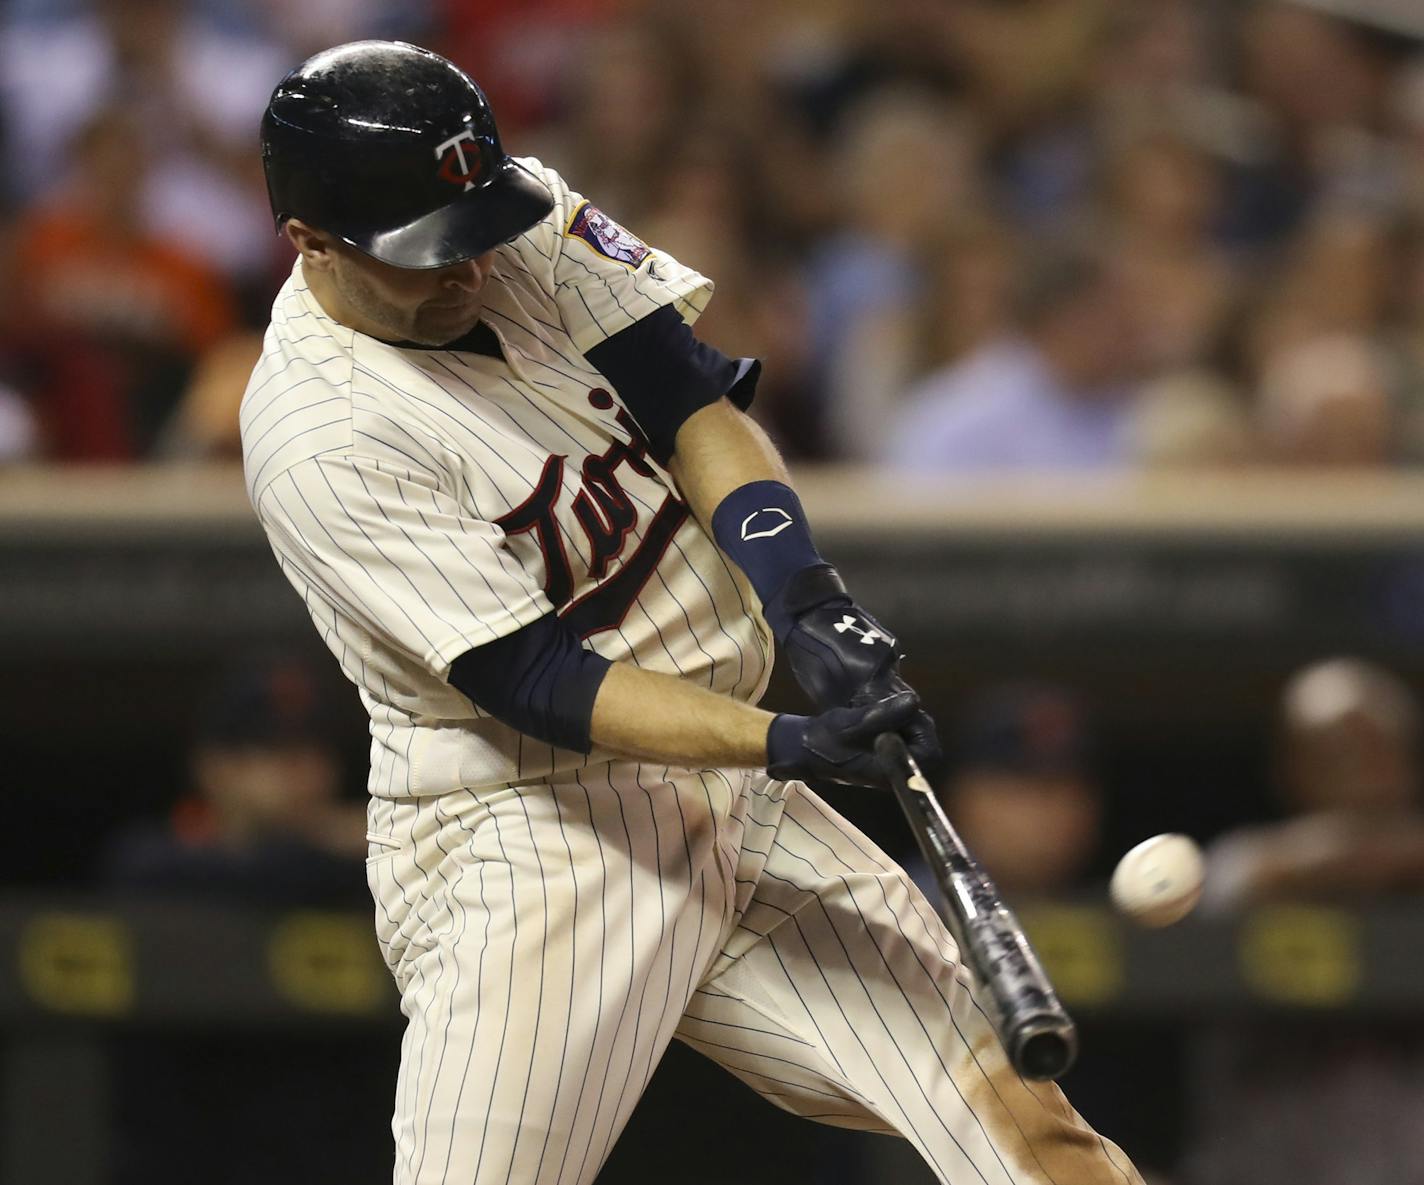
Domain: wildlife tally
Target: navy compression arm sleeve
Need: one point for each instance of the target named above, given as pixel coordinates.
(538, 680)
(663, 374)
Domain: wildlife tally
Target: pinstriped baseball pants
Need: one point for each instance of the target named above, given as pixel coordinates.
(549, 940)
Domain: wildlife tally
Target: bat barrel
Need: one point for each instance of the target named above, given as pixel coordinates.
(1041, 1048)
(1037, 1033)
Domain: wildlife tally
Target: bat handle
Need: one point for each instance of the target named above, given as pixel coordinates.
(893, 754)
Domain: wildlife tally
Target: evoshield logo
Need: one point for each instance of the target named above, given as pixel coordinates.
(776, 521)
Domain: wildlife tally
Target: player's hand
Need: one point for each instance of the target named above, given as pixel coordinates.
(839, 745)
(921, 736)
(836, 649)
(841, 655)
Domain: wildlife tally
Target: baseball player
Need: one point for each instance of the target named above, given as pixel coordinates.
(525, 509)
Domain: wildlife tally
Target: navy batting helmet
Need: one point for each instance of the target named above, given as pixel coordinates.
(394, 150)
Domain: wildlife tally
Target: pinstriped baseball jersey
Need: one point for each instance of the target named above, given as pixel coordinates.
(423, 502)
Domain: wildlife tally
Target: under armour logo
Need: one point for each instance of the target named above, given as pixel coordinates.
(847, 624)
(455, 166)
(777, 522)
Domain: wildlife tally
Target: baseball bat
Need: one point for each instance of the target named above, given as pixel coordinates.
(1036, 1031)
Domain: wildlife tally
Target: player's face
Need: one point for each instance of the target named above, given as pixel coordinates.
(431, 306)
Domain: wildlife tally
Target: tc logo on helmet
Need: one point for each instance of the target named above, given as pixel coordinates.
(455, 166)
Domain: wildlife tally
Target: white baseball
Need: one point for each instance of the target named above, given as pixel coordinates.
(1159, 881)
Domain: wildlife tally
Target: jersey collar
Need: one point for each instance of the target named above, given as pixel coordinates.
(480, 340)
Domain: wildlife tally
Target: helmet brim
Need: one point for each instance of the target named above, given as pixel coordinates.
(504, 207)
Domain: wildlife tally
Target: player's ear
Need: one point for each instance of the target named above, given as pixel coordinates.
(317, 248)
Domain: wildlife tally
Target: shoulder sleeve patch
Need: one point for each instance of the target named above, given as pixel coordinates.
(605, 236)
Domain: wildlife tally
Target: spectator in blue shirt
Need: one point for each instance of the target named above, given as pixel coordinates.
(1054, 394)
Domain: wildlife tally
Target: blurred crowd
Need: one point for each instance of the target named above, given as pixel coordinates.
(965, 234)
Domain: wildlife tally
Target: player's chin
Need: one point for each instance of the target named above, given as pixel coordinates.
(437, 325)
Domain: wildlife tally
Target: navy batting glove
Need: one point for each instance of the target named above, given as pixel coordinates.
(839, 745)
(921, 736)
(836, 649)
(841, 655)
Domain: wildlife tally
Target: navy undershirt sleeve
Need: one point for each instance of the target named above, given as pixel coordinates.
(663, 374)
(538, 680)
